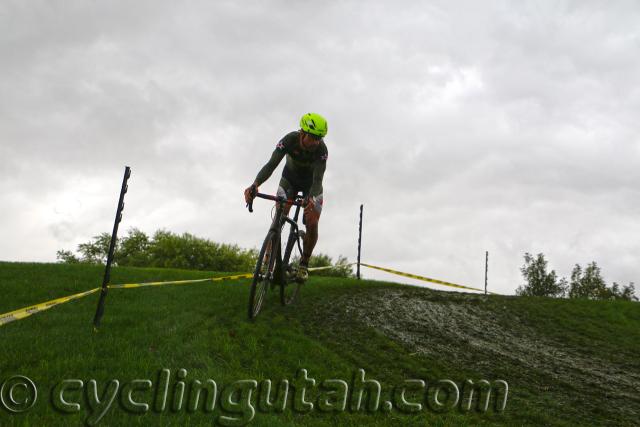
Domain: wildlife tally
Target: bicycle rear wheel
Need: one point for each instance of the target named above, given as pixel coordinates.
(263, 275)
(289, 287)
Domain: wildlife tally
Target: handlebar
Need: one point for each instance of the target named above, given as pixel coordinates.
(298, 201)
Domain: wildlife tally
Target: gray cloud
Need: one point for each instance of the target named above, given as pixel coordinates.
(463, 127)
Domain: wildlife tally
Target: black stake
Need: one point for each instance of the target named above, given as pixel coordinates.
(486, 271)
(112, 247)
(359, 242)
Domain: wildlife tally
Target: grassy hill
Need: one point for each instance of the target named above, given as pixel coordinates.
(566, 362)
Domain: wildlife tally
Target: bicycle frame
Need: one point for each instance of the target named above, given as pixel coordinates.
(276, 225)
(278, 270)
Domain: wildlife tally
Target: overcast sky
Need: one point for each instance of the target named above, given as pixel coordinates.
(463, 127)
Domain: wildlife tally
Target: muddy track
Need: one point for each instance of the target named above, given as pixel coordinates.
(463, 329)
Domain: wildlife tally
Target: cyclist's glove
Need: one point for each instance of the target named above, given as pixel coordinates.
(250, 193)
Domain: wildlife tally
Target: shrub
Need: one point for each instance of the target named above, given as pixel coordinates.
(164, 249)
(340, 269)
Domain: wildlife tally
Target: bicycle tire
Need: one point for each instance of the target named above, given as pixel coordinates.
(262, 278)
(289, 287)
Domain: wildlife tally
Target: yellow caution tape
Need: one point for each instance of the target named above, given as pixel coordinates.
(211, 279)
(28, 311)
(181, 282)
(329, 266)
(318, 268)
(425, 279)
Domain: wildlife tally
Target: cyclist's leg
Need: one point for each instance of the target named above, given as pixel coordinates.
(312, 218)
(285, 189)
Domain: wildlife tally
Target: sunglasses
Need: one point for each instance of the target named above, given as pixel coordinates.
(313, 137)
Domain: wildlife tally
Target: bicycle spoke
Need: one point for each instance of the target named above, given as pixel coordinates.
(262, 276)
(289, 288)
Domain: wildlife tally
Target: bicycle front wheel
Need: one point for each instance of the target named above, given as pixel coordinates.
(263, 275)
(289, 287)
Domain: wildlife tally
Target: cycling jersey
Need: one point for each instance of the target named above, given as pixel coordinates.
(304, 169)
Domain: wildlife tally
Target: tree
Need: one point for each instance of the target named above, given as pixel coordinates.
(97, 250)
(627, 292)
(133, 249)
(588, 283)
(538, 281)
(67, 257)
(190, 252)
(169, 250)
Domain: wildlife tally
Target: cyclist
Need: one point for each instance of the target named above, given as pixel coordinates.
(304, 169)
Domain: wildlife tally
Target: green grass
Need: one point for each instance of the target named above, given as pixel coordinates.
(203, 328)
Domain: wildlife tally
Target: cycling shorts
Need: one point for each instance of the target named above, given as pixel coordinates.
(289, 190)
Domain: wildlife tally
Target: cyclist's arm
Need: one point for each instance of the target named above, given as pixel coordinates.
(271, 165)
(318, 174)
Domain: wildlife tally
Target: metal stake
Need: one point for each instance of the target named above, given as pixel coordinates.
(112, 247)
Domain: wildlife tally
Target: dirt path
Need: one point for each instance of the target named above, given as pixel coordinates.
(465, 330)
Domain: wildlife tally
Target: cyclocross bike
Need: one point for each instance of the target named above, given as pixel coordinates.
(274, 266)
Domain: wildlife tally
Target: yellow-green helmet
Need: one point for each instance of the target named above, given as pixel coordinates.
(314, 124)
